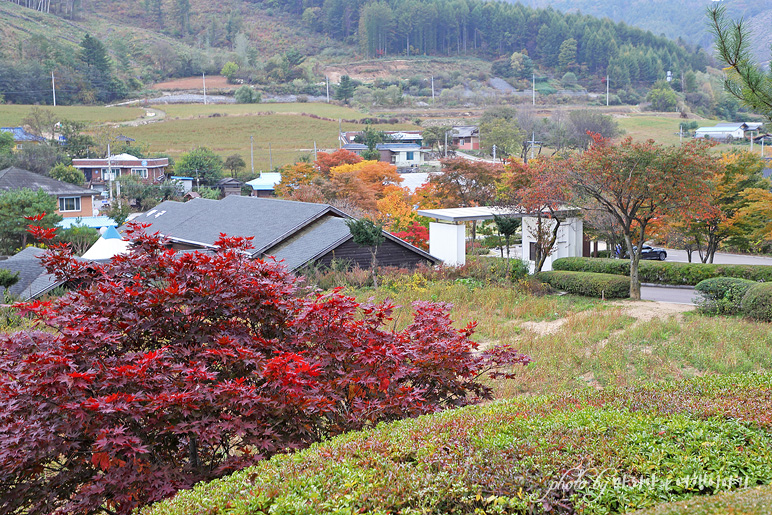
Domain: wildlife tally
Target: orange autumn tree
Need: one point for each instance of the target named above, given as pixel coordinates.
(541, 189)
(640, 182)
(296, 176)
(362, 184)
(325, 162)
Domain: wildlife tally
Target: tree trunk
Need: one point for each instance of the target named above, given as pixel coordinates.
(635, 256)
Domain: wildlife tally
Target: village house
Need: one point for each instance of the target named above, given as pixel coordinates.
(465, 137)
(22, 138)
(99, 172)
(74, 201)
(265, 185)
(297, 233)
(728, 131)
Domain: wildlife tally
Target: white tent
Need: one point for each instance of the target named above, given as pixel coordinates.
(110, 244)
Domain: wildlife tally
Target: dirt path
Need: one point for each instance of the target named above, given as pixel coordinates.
(642, 311)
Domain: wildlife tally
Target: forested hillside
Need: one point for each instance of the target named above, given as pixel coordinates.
(269, 41)
(684, 19)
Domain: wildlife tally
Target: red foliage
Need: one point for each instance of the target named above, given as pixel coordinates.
(166, 369)
(325, 162)
(416, 235)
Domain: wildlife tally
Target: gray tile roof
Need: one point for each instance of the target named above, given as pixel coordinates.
(202, 221)
(33, 278)
(311, 242)
(15, 179)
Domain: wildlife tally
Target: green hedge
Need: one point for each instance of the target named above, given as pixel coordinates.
(722, 295)
(589, 284)
(757, 302)
(666, 272)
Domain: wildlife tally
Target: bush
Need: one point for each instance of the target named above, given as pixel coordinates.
(166, 369)
(664, 272)
(589, 284)
(722, 295)
(247, 95)
(757, 302)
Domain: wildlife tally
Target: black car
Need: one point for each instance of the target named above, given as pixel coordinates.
(649, 252)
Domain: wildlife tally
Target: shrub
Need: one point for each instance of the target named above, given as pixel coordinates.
(165, 369)
(722, 295)
(247, 95)
(666, 272)
(757, 302)
(587, 283)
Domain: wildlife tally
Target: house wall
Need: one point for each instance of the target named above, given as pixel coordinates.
(389, 254)
(469, 144)
(568, 244)
(86, 208)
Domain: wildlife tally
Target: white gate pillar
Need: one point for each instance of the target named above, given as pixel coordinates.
(448, 242)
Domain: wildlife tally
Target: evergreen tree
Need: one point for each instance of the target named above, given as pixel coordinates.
(94, 54)
(345, 89)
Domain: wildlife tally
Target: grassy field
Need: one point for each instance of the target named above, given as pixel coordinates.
(290, 136)
(577, 342)
(319, 109)
(12, 115)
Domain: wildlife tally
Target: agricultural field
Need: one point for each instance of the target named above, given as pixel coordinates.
(12, 115)
(290, 135)
(318, 109)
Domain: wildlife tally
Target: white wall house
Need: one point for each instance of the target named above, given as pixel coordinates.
(401, 154)
(720, 133)
(568, 244)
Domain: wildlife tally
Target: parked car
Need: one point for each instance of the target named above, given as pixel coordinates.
(649, 252)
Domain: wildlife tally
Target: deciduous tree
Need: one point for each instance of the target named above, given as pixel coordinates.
(16, 206)
(638, 183)
(202, 164)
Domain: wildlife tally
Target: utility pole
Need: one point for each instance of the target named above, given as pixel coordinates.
(606, 90)
(110, 171)
(203, 76)
(681, 133)
(446, 143)
(270, 155)
(432, 89)
(53, 87)
(314, 150)
(494, 152)
(752, 141)
(340, 133)
(533, 88)
(252, 152)
(327, 78)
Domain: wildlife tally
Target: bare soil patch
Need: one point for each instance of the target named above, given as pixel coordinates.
(188, 83)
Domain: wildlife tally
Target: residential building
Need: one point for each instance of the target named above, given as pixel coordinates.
(33, 280)
(297, 233)
(99, 172)
(265, 185)
(22, 138)
(401, 155)
(465, 137)
(74, 201)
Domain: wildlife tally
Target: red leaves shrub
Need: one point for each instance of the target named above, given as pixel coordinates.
(416, 235)
(166, 369)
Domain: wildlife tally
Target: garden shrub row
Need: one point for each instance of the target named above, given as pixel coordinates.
(665, 272)
(579, 452)
(589, 284)
(730, 296)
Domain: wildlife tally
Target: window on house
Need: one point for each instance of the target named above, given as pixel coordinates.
(461, 141)
(110, 174)
(69, 204)
(139, 172)
(410, 156)
(19, 146)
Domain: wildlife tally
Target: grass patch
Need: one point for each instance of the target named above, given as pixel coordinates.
(748, 501)
(318, 109)
(12, 115)
(593, 453)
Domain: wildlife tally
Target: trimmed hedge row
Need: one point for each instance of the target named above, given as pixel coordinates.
(586, 283)
(722, 295)
(757, 302)
(665, 272)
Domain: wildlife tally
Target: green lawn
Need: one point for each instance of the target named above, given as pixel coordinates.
(12, 115)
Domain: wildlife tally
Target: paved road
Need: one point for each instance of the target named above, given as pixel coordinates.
(721, 258)
(671, 295)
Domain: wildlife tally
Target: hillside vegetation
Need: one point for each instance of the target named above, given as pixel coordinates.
(685, 19)
(283, 46)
